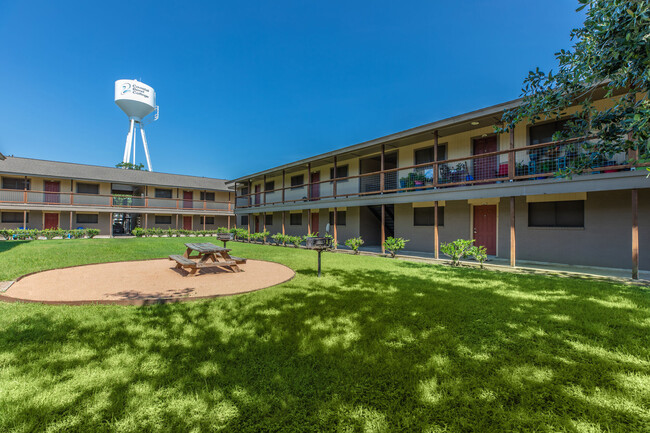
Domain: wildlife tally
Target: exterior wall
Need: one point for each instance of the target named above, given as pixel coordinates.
(300, 230)
(369, 227)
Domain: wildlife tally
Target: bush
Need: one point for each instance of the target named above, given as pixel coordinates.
(91, 233)
(280, 239)
(296, 240)
(457, 250)
(354, 243)
(394, 245)
(137, 232)
(264, 235)
(479, 253)
(334, 244)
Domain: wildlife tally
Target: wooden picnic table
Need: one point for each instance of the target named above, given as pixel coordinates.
(208, 255)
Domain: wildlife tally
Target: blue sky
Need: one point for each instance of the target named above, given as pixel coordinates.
(244, 86)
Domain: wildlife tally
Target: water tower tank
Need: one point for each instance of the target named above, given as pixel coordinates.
(136, 99)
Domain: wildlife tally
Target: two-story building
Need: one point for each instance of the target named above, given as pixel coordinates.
(43, 194)
(456, 178)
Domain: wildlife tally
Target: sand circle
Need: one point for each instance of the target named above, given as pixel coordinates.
(142, 282)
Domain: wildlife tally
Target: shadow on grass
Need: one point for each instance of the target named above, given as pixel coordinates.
(412, 348)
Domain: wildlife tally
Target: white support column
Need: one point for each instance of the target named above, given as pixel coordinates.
(129, 139)
(146, 148)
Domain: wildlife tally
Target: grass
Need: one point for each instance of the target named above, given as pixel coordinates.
(375, 345)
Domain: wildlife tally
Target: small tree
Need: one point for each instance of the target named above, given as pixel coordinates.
(479, 253)
(130, 166)
(457, 250)
(395, 245)
(354, 244)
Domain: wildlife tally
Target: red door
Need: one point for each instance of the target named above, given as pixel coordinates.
(187, 200)
(51, 221)
(486, 167)
(257, 224)
(485, 227)
(314, 222)
(315, 187)
(52, 190)
(258, 196)
(187, 223)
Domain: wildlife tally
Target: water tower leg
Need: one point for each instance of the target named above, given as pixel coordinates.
(135, 141)
(127, 147)
(146, 148)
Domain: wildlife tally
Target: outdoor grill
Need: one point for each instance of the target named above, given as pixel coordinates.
(318, 244)
(225, 237)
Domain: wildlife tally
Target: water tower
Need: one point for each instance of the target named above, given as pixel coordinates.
(138, 101)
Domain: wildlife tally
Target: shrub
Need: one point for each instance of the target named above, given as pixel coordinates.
(394, 245)
(354, 243)
(296, 240)
(457, 250)
(479, 253)
(334, 245)
(264, 235)
(91, 233)
(279, 238)
(138, 232)
(49, 233)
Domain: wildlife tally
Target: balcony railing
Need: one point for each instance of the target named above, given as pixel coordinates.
(52, 198)
(537, 161)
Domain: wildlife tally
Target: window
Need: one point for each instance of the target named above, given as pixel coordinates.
(208, 220)
(244, 191)
(15, 183)
(544, 133)
(270, 185)
(207, 196)
(87, 188)
(14, 217)
(423, 156)
(295, 219)
(87, 218)
(268, 220)
(425, 216)
(557, 214)
(341, 217)
(163, 193)
(244, 220)
(298, 180)
(341, 171)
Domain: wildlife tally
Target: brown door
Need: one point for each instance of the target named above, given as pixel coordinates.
(315, 187)
(187, 223)
(486, 167)
(257, 224)
(485, 227)
(258, 196)
(52, 190)
(187, 199)
(51, 221)
(314, 222)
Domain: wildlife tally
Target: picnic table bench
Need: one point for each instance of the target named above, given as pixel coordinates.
(208, 255)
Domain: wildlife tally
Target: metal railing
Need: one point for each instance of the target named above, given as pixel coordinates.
(517, 164)
(14, 196)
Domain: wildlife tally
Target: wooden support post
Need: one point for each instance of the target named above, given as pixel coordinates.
(24, 219)
(228, 222)
(248, 220)
(283, 217)
(635, 234)
(435, 174)
(264, 196)
(203, 221)
(283, 199)
(43, 220)
(308, 221)
(176, 221)
(235, 197)
(110, 224)
(381, 167)
(513, 244)
(335, 176)
(264, 222)
(511, 156)
(309, 181)
(250, 191)
(383, 228)
(336, 236)
(230, 202)
(70, 220)
(435, 230)
(25, 191)
(146, 220)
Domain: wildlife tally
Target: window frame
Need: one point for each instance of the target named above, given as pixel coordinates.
(244, 220)
(266, 185)
(266, 219)
(557, 205)
(204, 196)
(26, 182)
(86, 184)
(291, 215)
(207, 220)
(86, 215)
(341, 215)
(441, 216)
(338, 174)
(298, 185)
(442, 147)
(171, 192)
(3, 213)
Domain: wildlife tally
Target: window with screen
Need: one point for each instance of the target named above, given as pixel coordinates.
(244, 220)
(557, 214)
(15, 183)
(87, 188)
(14, 217)
(207, 196)
(163, 219)
(163, 193)
(426, 155)
(268, 219)
(87, 218)
(341, 218)
(295, 219)
(269, 186)
(208, 220)
(544, 133)
(425, 216)
(298, 180)
(341, 171)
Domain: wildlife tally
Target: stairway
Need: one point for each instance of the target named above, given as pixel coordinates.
(390, 218)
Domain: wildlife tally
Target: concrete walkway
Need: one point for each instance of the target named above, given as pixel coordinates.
(525, 266)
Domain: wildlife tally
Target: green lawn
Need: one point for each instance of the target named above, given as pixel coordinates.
(376, 345)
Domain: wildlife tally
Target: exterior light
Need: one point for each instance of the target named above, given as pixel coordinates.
(474, 123)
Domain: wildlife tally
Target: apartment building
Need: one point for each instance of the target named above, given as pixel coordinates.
(456, 178)
(43, 194)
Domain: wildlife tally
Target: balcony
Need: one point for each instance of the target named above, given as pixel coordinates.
(521, 164)
(102, 201)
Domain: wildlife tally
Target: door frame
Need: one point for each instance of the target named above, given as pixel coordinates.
(313, 186)
(482, 137)
(315, 214)
(487, 202)
(58, 218)
(191, 222)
